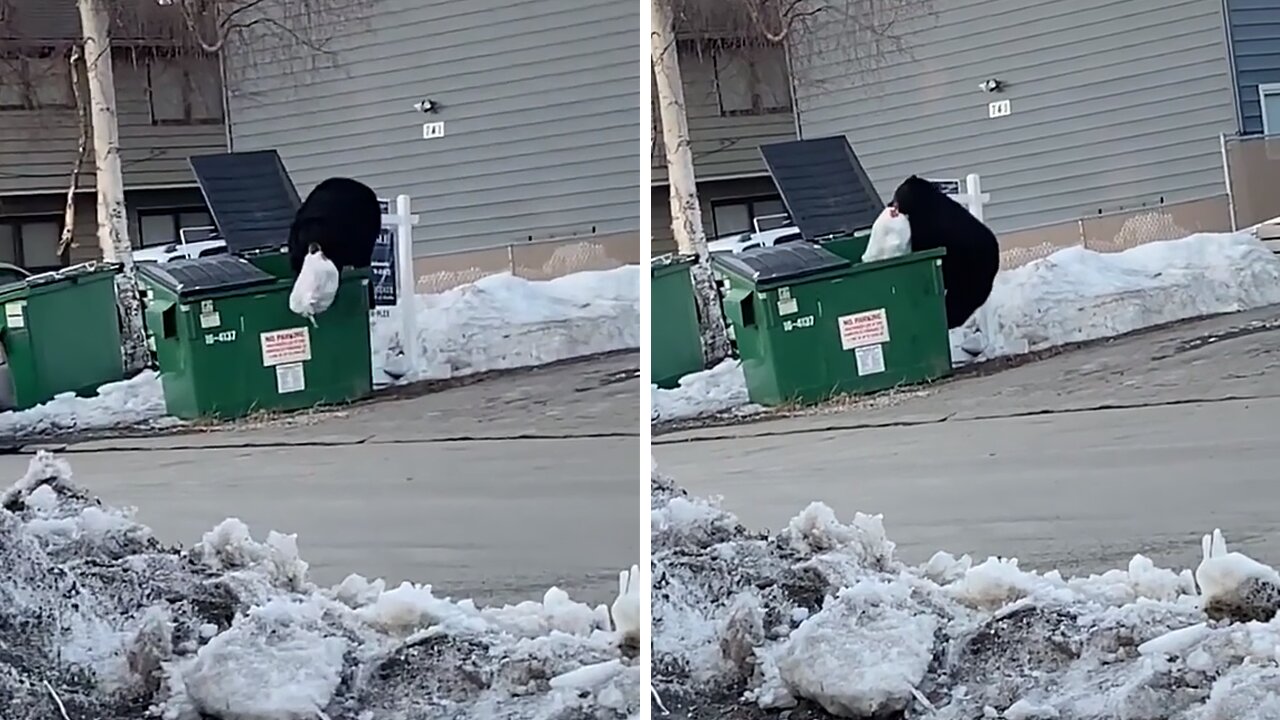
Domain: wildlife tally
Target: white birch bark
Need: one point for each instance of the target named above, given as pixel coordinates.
(686, 214)
(113, 224)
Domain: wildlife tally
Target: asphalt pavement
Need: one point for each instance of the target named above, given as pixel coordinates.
(1075, 462)
(495, 490)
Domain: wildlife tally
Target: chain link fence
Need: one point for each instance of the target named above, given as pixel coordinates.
(537, 260)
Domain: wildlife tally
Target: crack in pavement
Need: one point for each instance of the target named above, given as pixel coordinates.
(68, 449)
(952, 417)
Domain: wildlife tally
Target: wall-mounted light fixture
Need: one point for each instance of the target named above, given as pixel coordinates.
(993, 85)
(426, 106)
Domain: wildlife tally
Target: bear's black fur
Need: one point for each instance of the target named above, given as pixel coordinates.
(973, 253)
(343, 218)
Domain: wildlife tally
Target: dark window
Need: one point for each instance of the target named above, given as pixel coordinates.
(34, 82)
(739, 215)
(162, 226)
(184, 91)
(32, 242)
(752, 80)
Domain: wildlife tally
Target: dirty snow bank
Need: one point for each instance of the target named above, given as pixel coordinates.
(97, 615)
(1076, 295)
(502, 321)
(820, 620)
(1073, 295)
(137, 402)
(720, 389)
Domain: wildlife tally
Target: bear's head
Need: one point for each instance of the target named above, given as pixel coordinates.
(915, 194)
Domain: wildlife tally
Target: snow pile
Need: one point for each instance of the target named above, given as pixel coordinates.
(136, 402)
(1075, 295)
(721, 389)
(97, 616)
(820, 620)
(502, 321)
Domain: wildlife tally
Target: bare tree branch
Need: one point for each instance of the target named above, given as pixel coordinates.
(82, 151)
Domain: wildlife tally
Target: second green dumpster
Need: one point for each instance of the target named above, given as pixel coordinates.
(811, 324)
(61, 333)
(228, 345)
(675, 347)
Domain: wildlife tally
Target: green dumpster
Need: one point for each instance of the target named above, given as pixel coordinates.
(61, 333)
(228, 345)
(675, 348)
(850, 247)
(811, 324)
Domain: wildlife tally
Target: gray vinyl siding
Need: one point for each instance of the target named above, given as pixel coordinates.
(1115, 105)
(539, 100)
(37, 147)
(722, 146)
(1255, 48)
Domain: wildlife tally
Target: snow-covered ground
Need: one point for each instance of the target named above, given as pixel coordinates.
(1074, 295)
(97, 617)
(497, 323)
(821, 620)
(503, 321)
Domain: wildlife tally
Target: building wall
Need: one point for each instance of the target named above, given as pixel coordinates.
(759, 193)
(1115, 104)
(38, 145)
(146, 209)
(538, 99)
(725, 141)
(1255, 47)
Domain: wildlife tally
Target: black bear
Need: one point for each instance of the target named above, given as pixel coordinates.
(973, 254)
(343, 218)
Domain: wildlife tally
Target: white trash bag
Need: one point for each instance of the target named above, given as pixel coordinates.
(316, 286)
(890, 236)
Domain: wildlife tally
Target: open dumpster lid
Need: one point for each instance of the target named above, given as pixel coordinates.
(780, 263)
(823, 185)
(217, 273)
(250, 196)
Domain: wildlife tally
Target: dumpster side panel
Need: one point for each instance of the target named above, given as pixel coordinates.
(246, 352)
(76, 328)
(676, 344)
(63, 336)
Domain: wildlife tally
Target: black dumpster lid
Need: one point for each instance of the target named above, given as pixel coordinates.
(250, 196)
(781, 262)
(189, 276)
(823, 185)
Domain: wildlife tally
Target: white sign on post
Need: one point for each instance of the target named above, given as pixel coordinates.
(393, 275)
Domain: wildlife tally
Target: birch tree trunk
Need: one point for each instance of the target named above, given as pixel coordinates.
(686, 214)
(113, 225)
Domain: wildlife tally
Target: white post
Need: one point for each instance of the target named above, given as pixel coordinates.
(407, 282)
(976, 198)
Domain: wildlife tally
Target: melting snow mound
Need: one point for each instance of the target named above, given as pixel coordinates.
(503, 321)
(98, 617)
(821, 621)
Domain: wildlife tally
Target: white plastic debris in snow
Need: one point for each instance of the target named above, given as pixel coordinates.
(890, 236)
(316, 285)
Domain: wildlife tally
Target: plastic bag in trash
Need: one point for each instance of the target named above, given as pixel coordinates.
(316, 286)
(890, 236)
